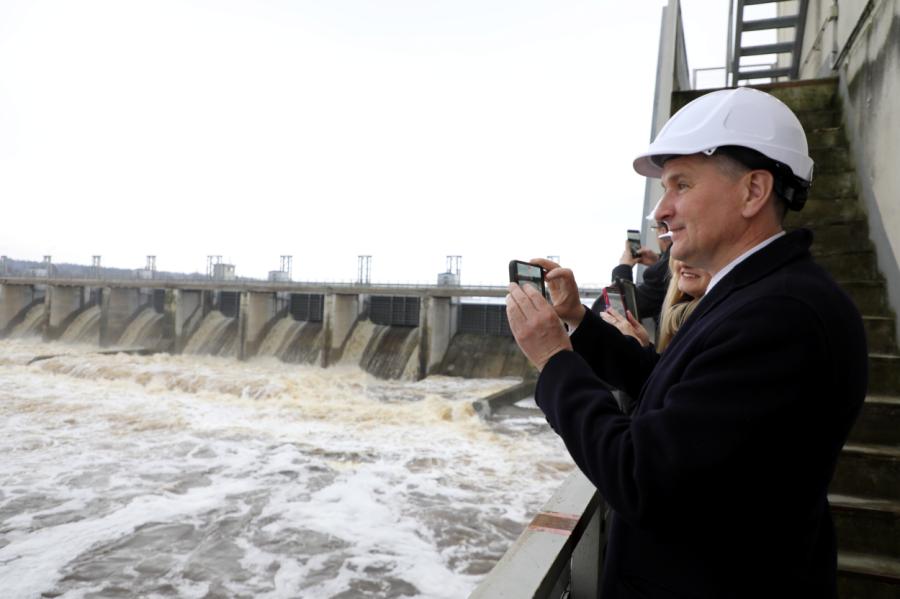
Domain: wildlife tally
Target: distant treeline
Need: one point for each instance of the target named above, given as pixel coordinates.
(80, 271)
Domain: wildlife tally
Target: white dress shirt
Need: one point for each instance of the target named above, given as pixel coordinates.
(730, 266)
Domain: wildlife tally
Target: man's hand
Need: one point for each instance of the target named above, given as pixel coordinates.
(563, 292)
(535, 325)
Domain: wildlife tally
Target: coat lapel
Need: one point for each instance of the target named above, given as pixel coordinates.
(786, 249)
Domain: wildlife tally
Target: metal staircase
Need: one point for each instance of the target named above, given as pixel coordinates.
(738, 50)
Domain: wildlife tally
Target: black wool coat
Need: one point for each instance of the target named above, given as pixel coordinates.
(718, 481)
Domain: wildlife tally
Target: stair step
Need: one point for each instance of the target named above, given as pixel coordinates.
(884, 374)
(834, 159)
(868, 295)
(766, 24)
(762, 73)
(881, 334)
(777, 48)
(878, 422)
(865, 576)
(833, 185)
(867, 525)
(819, 211)
(826, 137)
(751, 2)
(806, 96)
(868, 471)
(840, 237)
(819, 119)
(848, 264)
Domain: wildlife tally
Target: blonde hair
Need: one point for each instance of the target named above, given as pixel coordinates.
(676, 308)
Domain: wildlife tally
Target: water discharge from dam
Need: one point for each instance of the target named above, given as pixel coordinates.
(215, 336)
(200, 476)
(85, 328)
(144, 331)
(30, 326)
(293, 341)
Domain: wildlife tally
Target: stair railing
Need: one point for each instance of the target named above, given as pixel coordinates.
(738, 25)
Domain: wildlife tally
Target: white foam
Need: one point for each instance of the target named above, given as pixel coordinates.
(285, 480)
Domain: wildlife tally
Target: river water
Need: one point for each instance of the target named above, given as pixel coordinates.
(201, 477)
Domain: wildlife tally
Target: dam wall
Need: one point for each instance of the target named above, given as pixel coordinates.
(406, 332)
(15, 301)
(119, 307)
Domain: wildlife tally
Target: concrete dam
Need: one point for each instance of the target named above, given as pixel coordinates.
(390, 331)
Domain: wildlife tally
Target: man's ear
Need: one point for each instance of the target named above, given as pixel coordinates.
(758, 187)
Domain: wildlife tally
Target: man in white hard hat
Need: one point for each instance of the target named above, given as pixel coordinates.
(718, 481)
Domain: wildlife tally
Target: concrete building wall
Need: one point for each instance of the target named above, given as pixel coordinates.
(183, 311)
(118, 308)
(867, 46)
(257, 310)
(13, 300)
(341, 313)
(436, 321)
(63, 303)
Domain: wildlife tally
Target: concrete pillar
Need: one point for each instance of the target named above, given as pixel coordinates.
(437, 324)
(183, 312)
(14, 299)
(341, 312)
(64, 302)
(256, 311)
(119, 306)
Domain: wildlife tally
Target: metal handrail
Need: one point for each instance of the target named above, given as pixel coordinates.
(426, 289)
(560, 551)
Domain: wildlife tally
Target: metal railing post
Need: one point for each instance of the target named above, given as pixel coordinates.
(587, 558)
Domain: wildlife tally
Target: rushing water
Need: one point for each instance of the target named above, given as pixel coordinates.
(85, 327)
(143, 331)
(199, 476)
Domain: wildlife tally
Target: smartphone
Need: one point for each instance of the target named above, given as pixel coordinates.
(634, 242)
(522, 272)
(612, 298)
(626, 288)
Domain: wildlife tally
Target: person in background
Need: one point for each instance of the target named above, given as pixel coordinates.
(650, 293)
(686, 287)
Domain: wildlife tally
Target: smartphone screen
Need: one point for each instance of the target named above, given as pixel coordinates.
(612, 297)
(524, 273)
(634, 242)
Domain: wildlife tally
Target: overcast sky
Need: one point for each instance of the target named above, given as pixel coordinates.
(405, 129)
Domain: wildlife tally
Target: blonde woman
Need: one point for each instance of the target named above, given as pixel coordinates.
(686, 288)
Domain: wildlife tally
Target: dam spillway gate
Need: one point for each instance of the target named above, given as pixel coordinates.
(437, 329)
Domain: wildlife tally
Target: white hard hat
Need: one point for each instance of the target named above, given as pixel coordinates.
(743, 117)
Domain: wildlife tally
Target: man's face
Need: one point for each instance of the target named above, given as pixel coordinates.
(701, 206)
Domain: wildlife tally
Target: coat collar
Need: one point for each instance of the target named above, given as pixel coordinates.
(774, 256)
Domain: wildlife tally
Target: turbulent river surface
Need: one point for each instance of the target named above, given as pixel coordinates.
(191, 476)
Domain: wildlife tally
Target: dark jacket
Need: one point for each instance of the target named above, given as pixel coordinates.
(650, 293)
(718, 481)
